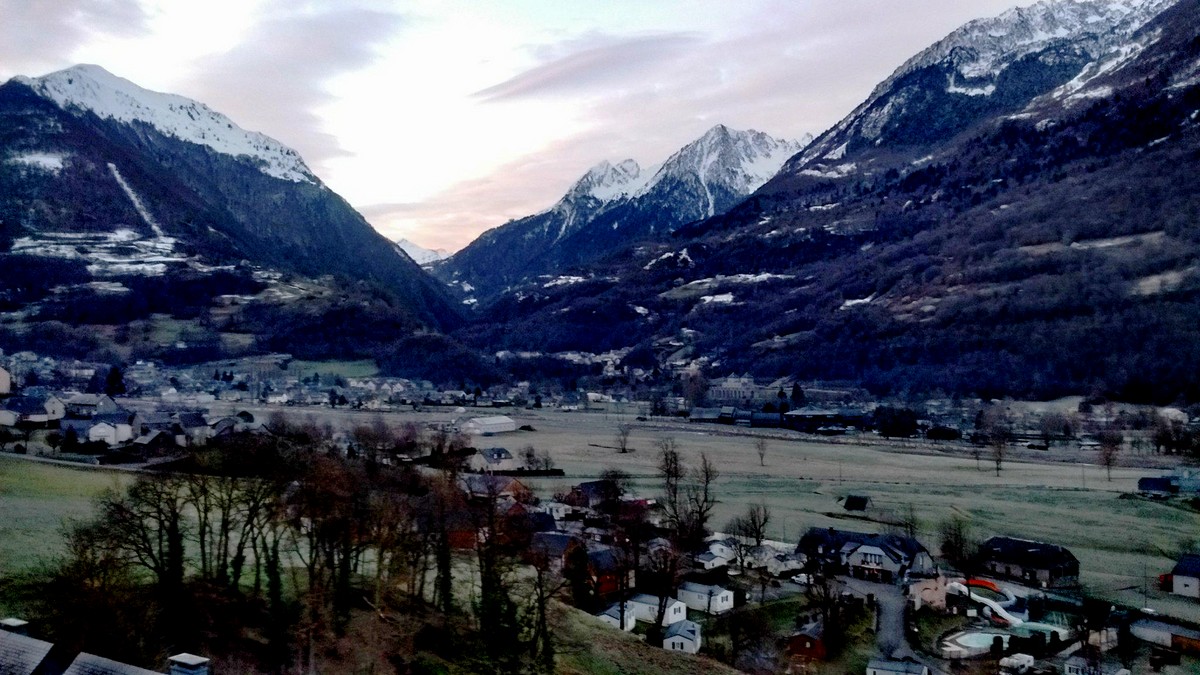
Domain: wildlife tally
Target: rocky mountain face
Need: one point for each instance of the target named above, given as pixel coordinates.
(984, 71)
(1043, 244)
(124, 183)
(612, 206)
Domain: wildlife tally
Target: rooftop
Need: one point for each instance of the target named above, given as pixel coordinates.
(1188, 565)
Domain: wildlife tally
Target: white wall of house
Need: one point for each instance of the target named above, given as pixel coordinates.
(708, 599)
(612, 617)
(645, 608)
(872, 557)
(55, 409)
(687, 642)
(5, 382)
(557, 510)
(1185, 586)
(722, 549)
(680, 643)
(478, 462)
(8, 418)
(782, 564)
(103, 432)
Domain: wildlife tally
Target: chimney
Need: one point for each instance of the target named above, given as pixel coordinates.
(188, 664)
(14, 625)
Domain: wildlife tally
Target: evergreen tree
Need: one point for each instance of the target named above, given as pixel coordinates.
(114, 384)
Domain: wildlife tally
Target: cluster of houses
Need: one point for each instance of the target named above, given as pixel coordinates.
(21, 654)
(95, 425)
(578, 528)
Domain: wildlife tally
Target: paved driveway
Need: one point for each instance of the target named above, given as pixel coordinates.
(889, 638)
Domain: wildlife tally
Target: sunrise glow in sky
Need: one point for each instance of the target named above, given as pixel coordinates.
(438, 120)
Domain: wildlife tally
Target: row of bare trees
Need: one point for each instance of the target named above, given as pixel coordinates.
(289, 541)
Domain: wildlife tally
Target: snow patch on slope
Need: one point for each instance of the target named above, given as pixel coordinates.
(420, 254)
(46, 161)
(137, 201)
(93, 89)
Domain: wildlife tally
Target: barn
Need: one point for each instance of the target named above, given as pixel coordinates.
(489, 426)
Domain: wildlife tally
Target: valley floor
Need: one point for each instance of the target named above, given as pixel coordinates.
(1060, 496)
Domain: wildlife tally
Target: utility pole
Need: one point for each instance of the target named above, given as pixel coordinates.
(1145, 587)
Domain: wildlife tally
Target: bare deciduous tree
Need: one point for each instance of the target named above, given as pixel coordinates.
(623, 431)
(1110, 446)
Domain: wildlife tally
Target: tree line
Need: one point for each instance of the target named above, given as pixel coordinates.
(278, 553)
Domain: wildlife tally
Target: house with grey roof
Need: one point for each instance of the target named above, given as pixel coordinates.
(612, 617)
(682, 636)
(36, 409)
(24, 655)
(1033, 562)
(20, 654)
(706, 598)
(1185, 577)
(488, 460)
(90, 405)
(877, 557)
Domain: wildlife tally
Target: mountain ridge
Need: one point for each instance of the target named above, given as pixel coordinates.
(1049, 43)
(1047, 250)
(611, 206)
(121, 203)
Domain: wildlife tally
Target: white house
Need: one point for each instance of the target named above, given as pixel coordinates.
(645, 608)
(487, 426)
(1185, 578)
(492, 459)
(112, 433)
(104, 431)
(682, 636)
(557, 510)
(781, 564)
(612, 617)
(86, 406)
(722, 547)
(37, 409)
(5, 382)
(705, 598)
(8, 418)
(732, 389)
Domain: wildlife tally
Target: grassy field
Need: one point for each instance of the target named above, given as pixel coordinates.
(1122, 544)
(35, 500)
(348, 369)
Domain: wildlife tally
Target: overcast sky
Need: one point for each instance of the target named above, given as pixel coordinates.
(440, 119)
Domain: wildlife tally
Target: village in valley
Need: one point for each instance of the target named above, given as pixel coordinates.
(772, 526)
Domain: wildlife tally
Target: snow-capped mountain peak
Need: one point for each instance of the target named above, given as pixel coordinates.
(738, 161)
(90, 88)
(607, 182)
(984, 47)
(420, 254)
(974, 57)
